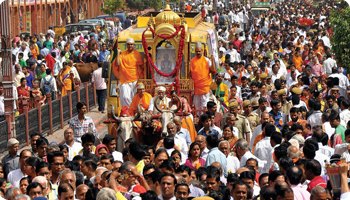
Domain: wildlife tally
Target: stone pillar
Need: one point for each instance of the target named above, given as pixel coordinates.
(5, 23)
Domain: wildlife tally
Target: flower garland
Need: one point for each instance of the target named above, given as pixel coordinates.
(179, 59)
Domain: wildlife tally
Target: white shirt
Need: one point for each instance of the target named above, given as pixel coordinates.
(275, 77)
(315, 119)
(183, 156)
(232, 164)
(270, 160)
(346, 155)
(326, 41)
(344, 117)
(328, 128)
(204, 154)
(2, 108)
(73, 150)
(234, 55)
(14, 177)
(326, 150)
(75, 72)
(257, 131)
(218, 130)
(328, 64)
(247, 155)
(165, 101)
(263, 148)
(181, 143)
(52, 83)
(100, 83)
(320, 157)
(117, 156)
(290, 82)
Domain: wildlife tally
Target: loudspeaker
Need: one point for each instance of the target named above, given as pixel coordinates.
(105, 69)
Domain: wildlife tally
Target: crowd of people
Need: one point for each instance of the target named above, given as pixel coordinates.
(44, 63)
(271, 119)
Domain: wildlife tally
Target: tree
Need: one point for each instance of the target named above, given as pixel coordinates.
(111, 6)
(340, 41)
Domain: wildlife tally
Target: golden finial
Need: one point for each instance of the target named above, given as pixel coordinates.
(150, 21)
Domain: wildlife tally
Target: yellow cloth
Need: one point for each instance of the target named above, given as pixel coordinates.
(323, 105)
(120, 196)
(136, 101)
(298, 61)
(201, 75)
(220, 91)
(129, 67)
(140, 166)
(67, 81)
(187, 123)
(222, 61)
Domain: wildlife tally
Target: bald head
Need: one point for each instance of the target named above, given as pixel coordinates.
(293, 152)
(318, 192)
(217, 165)
(201, 140)
(242, 169)
(81, 191)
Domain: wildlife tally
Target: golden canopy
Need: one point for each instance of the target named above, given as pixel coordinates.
(168, 16)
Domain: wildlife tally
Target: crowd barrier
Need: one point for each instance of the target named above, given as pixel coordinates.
(47, 118)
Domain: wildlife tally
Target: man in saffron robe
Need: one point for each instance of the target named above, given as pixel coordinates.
(141, 97)
(200, 73)
(220, 89)
(127, 67)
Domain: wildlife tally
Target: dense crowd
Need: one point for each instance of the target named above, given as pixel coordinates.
(269, 121)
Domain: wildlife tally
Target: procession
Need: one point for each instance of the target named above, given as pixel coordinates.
(202, 100)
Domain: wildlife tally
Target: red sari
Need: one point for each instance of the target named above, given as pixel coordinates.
(23, 92)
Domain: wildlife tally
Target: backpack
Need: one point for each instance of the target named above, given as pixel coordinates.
(221, 19)
(47, 86)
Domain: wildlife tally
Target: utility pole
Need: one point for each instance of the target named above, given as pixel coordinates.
(6, 50)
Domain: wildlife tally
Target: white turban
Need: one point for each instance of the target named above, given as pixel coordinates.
(130, 41)
(161, 88)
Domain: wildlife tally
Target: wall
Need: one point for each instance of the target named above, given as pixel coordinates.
(35, 16)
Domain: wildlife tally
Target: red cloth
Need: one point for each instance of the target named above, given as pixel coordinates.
(99, 147)
(317, 181)
(124, 112)
(50, 62)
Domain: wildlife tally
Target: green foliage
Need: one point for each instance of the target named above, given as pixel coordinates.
(145, 4)
(340, 41)
(111, 6)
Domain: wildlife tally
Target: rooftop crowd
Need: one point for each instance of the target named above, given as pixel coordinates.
(276, 115)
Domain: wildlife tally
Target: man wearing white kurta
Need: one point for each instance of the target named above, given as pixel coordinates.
(162, 103)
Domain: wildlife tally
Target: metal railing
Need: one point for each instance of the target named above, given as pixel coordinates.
(47, 118)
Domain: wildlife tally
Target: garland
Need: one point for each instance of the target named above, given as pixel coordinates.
(179, 59)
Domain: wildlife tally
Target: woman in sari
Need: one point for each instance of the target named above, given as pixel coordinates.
(194, 161)
(37, 92)
(297, 60)
(65, 78)
(23, 91)
(229, 136)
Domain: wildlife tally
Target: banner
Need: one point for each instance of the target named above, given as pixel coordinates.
(214, 47)
(28, 22)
